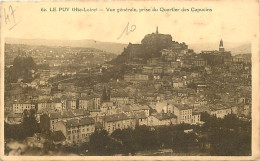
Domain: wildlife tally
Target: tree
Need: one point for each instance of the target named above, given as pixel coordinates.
(16, 132)
(30, 123)
(225, 142)
(21, 69)
(102, 144)
(182, 141)
(126, 137)
(145, 138)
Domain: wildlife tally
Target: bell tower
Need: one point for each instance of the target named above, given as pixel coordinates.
(221, 46)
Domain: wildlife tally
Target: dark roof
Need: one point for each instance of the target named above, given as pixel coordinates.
(182, 106)
(164, 116)
(81, 112)
(80, 122)
(86, 121)
(140, 115)
(195, 113)
(94, 110)
(136, 107)
(55, 115)
(67, 114)
(73, 122)
(98, 125)
(119, 94)
(58, 136)
(116, 117)
(126, 108)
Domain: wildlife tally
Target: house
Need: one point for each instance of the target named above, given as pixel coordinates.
(45, 105)
(76, 130)
(136, 77)
(85, 103)
(19, 107)
(72, 103)
(129, 77)
(152, 61)
(220, 111)
(118, 121)
(141, 118)
(138, 108)
(195, 117)
(141, 77)
(96, 101)
(147, 70)
(163, 107)
(57, 105)
(157, 70)
(183, 113)
(200, 62)
(159, 119)
(80, 113)
(54, 118)
(119, 98)
(178, 83)
(108, 108)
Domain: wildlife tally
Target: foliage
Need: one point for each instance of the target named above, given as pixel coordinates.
(101, 144)
(225, 142)
(27, 128)
(227, 136)
(30, 123)
(21, 69)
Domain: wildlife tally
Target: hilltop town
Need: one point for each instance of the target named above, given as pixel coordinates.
(74, 92)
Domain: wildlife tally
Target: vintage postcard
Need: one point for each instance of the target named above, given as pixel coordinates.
(129, 80)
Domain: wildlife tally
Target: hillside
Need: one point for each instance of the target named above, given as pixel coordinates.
(115, 48)
(235, 48)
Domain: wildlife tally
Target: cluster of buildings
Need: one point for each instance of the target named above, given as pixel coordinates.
(172, 88)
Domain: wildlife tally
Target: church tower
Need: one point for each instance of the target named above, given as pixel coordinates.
(221, 46)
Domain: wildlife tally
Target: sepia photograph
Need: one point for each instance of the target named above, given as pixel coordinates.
(130, 80)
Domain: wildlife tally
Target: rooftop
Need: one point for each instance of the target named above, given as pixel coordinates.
(116, 117)
(164, 116)
(182, 106)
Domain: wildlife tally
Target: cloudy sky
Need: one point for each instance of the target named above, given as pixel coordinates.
(229, 20)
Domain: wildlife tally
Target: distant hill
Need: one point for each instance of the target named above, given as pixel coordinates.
(115, 48)
(245, 56)
(235, 48)
(118, 48)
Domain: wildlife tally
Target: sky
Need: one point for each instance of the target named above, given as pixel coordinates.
(232, 21)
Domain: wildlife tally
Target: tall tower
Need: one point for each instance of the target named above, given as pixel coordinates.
(221, 46)
(157, 30)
